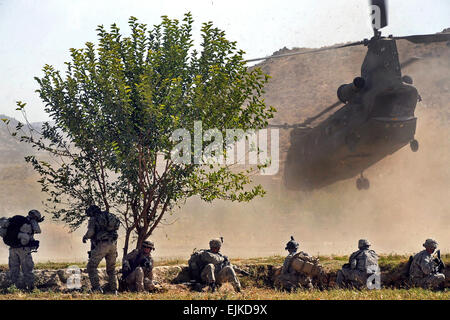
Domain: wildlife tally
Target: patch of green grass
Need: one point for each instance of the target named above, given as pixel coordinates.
(332, 263)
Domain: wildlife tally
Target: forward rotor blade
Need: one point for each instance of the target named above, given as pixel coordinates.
(379, 14)
(305, 123)
(311, 119)
(306, 52)
(426, 38)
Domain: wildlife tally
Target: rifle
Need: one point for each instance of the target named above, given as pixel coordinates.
(92, 248)
(227, 262)
(140, 261)
(440, 264)
(242, 272)
(34, 245)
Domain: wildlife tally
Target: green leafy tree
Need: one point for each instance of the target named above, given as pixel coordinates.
(113, 113)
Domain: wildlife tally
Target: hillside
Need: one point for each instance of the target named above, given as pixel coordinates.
(407, 203)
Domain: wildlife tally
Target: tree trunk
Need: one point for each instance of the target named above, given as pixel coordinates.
(127, 240)
(141, 238)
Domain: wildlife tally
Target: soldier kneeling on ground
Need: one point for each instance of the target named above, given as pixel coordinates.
(212, 268)
(137, 268)
(361, 265)
(18, 233)
(425, 271)
(298, 269)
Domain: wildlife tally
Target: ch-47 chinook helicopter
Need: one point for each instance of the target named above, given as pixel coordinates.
(376, 120)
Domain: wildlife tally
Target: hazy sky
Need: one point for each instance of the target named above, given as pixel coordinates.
(38, 32)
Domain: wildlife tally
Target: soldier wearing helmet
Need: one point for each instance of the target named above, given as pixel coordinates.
(291, 247)
(424, 271)
(361, 265)
(290, 278)
(102, 232)
(19, 235)
(137, 268)
(216, 268)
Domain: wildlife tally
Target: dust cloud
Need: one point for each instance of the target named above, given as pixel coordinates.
(408, 201)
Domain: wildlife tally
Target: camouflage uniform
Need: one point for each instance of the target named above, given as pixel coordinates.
(423, 270)
(362, 264)
(289, 278)
(20, 258)
(214, 272)
(104, 248)
(141, 277)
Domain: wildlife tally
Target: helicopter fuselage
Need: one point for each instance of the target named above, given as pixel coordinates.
(377, 120)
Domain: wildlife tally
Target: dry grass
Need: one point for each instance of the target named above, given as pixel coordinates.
(226, 293)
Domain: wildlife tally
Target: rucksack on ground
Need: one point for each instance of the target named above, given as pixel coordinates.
(196, 265)
(13, 228)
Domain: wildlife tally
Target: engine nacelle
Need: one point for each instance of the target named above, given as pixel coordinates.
(347, 91)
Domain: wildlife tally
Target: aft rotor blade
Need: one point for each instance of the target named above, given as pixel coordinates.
(379, 16)
(306, 52)
(409, 61)
(427, 38)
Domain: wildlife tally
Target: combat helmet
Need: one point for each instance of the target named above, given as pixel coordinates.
(93, 210)
(362, 243)
(430, 243)
(215, 243)
(292, 244)
(35, 215)
(148, 244)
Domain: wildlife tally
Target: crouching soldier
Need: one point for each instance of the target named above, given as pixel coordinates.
(361, 265)
(137, 268)
(290, 278)
(425, 271)
(212, 268)
(18, 233)
(102, 231)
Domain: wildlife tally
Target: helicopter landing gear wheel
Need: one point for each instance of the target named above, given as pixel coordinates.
(414, 144)
(359, 184)
(362, 183)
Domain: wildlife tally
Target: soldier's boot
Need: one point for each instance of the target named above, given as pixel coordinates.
(150, 285)
(308, 284)
(112, 282)
(236, 285)
(212, 287)
(97, 290)
(29, 288)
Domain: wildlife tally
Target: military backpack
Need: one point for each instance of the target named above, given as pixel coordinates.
(196, 265)
(305, 264)
(106, 226)
(14, 224)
